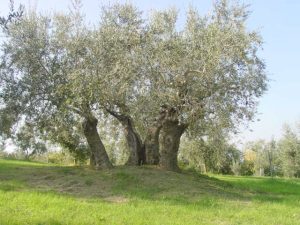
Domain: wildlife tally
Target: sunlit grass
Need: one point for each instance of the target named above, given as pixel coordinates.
(33, 193)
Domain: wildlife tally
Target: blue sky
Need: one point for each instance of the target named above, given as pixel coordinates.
(279, 24)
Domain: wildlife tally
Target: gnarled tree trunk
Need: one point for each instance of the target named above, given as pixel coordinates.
(152, 145)
(134, 142)
(135, 145)
(170, 135)
(99, 156)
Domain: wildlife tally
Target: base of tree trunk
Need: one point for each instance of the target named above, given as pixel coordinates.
(170, 135)
(135, 145)
(152, 146)
(100, 158)
(134, 142)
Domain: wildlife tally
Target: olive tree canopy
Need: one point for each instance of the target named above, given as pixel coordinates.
(208, 74)
(142, 70)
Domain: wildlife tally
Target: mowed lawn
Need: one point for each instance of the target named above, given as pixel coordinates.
(34, 193)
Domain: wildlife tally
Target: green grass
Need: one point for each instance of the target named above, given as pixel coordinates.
(34, 193)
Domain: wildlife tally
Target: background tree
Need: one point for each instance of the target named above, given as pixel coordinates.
(248, 163)
(209, 153)
(272, 155)
(67, 132)
(266, 157)
(260, 161)
(28, 142)
(289, 147)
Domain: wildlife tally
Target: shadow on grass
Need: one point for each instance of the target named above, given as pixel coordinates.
(123, 184)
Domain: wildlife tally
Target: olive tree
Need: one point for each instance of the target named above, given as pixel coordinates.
(117, 47)
(28, 142)
(155, 79)
(207, 74)
(289, 147)
(46, 67)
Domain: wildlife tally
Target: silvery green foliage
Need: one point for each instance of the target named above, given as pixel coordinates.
(210, 71)
(28, 141)
(289, 147)
(55, 66)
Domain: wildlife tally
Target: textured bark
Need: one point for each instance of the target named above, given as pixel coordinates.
(134, 142)
(170, 135)
(98, 153)
(135, 145)
(152, 145)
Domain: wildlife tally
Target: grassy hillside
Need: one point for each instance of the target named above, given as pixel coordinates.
(33, 193)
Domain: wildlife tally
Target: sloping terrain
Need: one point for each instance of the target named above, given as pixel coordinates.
(34, 193)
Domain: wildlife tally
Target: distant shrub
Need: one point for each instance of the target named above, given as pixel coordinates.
(60, 157)
(247, 168)
(236, 168)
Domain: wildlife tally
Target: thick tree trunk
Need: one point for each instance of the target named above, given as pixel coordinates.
(169, 144)
(98, 154)
(152, 145)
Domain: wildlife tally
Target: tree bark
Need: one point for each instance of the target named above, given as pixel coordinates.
(152, 145)
(134, 142)
(98, 152)
(135, 145)
(170, 135)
